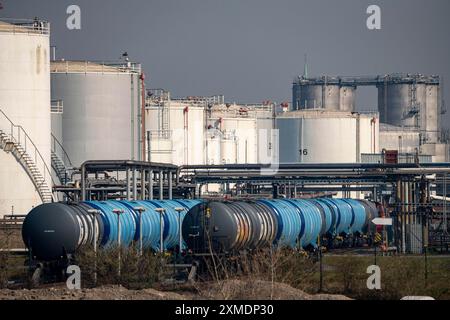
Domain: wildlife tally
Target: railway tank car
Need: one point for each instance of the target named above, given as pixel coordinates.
(57, 230)
(293, 223)
(52, 231)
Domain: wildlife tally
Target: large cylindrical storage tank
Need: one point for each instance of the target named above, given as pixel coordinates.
(25, 100)
(394, 104)
(102, 107)
(177, 132)
(319, 96)
(243, 130)
(228, 149)
(402, 139)
(347, 98)
(411, 101)
(432, 113)
(323, 93)
(311, 136)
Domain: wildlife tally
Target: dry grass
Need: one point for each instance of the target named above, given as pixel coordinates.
(136, 271)
(400, 275)
(270, 266)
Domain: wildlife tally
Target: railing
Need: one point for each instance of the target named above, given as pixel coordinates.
(83, 66)
(401, 78)
(24, 26)
(159, 134)
(56, 106)
(62, 154)
(18, 135)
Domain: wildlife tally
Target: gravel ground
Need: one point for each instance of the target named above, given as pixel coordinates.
(232, 289)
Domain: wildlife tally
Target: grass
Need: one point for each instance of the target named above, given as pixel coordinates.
(400, 276)
(342, 274)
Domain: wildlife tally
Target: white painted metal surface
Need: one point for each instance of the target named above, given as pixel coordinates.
(197, 131)
(102, 103)
(181, 138)
(25, 99)
(326, 137)
(405, 140)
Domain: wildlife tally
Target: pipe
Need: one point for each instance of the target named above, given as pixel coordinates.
(161, 185)
(150, 185)
(143, 174)
(128, 184)
(134, 184)
(169, 178)
(143, 126)
(83, 183)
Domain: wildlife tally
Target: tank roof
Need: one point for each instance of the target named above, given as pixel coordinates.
(394, 78)
(384, 127)
(318, 113)
(21, 26)
(78, 66)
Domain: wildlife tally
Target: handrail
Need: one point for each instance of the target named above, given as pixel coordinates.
(25, 26)
(65, 157)
(85, 66)
(37, 155)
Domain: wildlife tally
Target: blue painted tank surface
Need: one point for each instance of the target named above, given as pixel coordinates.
(151, 224)
(360, 215)
(344, 214)
(329, 216)
(110, 222)
(289, 221)
(171, 226)
(313, 221)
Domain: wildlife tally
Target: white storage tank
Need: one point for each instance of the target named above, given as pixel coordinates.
(311, 136)
(402, 139)
(240, 126)
(25, 179)
(213, 145)
(102, 109)
(177, 132)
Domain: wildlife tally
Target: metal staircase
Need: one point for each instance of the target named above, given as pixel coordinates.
(60, 160)
(15, 140)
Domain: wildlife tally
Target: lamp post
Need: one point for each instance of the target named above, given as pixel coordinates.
(94, 213)
(140, 210)
(161, 228)
(118, 212)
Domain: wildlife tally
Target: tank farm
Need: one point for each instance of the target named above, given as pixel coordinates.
(101, 161)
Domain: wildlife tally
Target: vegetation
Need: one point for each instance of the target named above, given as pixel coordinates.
(341, 274)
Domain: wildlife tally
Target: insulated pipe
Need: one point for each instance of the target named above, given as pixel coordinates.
(161, 185)
(150, 185)
(143, 128)
(169, 178)
(134, 184)
(143, 174)
(83, 183)
(128, 184)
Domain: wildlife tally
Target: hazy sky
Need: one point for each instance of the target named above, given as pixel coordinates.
(250, 50)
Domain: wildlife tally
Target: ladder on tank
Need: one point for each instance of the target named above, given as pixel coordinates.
(15, 140)
(414, 107)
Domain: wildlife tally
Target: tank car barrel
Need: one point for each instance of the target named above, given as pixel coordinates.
(54, 230)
